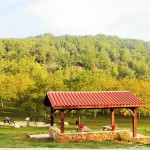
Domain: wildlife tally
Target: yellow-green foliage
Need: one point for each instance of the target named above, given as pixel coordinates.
(30, 67)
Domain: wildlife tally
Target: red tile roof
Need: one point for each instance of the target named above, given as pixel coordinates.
(105, 99)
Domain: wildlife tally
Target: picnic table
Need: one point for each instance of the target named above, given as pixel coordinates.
(47, 121)
(85, 129)
(35, 120)
(29, 120)
(108, 128)
(8, 120)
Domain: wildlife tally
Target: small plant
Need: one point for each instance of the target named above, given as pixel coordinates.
(120, 137)
(125, 112)
(80, 127)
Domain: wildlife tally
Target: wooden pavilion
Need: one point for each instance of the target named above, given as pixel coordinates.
(64, 101)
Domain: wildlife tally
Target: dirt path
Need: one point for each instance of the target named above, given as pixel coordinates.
(24, 124)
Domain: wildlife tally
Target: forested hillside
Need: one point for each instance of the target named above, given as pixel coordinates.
(32, 66)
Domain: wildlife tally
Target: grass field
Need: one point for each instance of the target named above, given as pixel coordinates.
(11, 137)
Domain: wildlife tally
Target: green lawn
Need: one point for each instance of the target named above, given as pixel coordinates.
(11, 137)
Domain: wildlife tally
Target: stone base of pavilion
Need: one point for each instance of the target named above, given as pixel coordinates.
(87, 136)
(142, 139)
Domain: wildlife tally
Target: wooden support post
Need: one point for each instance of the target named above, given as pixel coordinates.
(52, 116)
(134, 121)
(62, 118)
(112, 113)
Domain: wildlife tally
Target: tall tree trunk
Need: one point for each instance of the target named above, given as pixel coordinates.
(139, 114)
(95, 115)
(2, 103)
(103, 111)
(45, 114)
(79, 118)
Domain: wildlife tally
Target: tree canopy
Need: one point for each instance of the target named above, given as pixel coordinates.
(32, 66)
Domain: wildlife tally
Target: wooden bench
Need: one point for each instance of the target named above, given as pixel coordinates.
(108, 128)
(46, 121)
(86, 129)
(35, 120)
(29, 120)
(8, 120)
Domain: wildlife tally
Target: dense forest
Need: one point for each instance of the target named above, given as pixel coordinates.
(32, 66)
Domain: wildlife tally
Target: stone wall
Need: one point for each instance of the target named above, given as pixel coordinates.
(87, 136)
(142, 140)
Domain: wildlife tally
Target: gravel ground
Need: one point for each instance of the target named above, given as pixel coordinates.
(24, 124)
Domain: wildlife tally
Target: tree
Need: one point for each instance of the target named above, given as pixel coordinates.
(125, 71)
(114, 55)
(29, 107)
(8, 90)
(32, 66)
(23, 84)
(141, 68)
(125, 55)
(2, 50)
(140, 88)
(104, 61)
